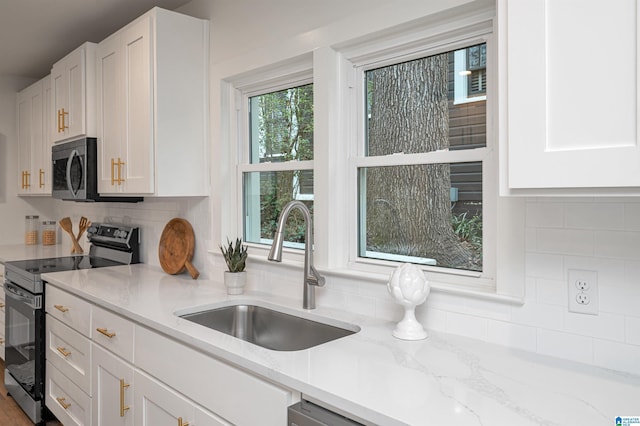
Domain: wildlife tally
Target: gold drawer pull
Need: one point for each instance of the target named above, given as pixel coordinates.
(61, 308)
(105, 332)
(123, 407)
(182, 423)
(2, 305)
(63, 351)
(1, 340)
(64, 404)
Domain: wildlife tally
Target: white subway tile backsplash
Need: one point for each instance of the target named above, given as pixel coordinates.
(632, 330)
(632, 217)
(551, 292)
(602, 326)
(544, 215)
(590, 215)
(617, 244)
(565, 345)
(539, 315)
(547, 266)
(512, 335)
(617, 356)
(466, 325)
(565, 241)
(624, 300)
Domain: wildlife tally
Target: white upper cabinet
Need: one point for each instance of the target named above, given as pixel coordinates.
(152, 107)
(569, 95)
(73, 94)
(34, 138)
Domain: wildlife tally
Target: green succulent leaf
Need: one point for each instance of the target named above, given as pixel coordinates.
(235, 255)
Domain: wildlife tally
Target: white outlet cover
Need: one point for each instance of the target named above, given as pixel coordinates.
(591, 291)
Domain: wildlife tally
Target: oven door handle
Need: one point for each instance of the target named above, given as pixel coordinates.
(29, 301)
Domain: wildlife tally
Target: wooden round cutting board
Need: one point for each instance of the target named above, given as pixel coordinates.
(176, 247)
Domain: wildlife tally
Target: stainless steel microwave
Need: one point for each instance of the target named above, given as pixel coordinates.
(75, 172)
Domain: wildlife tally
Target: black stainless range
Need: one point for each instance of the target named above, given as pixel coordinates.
(111, 245)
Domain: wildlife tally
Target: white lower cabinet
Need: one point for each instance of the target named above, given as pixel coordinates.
(159, 405)
(70, 404)
(106, 370)
(225, 390)
(112, 389)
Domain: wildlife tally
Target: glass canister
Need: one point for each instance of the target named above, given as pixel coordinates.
(31, 223)
(49, 232)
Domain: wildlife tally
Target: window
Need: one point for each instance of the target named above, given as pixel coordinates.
(420, 172)
(468, 74)
(280, 168)
(397, 141)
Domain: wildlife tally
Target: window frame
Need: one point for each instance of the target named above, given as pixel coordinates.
(336, 138)
(288, 74)
(388, 52)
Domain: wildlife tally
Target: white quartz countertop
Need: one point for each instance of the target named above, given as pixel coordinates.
(377, 378)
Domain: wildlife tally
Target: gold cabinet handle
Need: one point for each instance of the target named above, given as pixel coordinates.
(25, 179)
(1, 340)
(62, 402)
(105, 332)
(2, 305)
(41, 178)
(63, 351)
(113, 165)
(123, 407)
(62, 120)
(120, 178)
(61, 308)
(181, 422)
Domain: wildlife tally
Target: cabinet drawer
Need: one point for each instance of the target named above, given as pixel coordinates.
(61, 392)
(70, 309)
(70, 352)
(113, 332)
(210, 382)
(156, 403)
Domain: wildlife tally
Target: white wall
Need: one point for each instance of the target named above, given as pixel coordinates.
(597, 234)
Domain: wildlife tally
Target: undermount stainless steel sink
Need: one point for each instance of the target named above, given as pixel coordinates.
(268, 328)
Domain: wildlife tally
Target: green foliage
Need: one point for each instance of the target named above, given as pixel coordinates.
(468, 229)
(235, 255)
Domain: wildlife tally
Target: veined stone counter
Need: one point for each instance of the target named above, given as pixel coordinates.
(378, 379)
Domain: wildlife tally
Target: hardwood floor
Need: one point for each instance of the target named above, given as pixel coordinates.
(10, 412)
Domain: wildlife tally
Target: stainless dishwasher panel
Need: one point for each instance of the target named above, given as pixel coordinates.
(304, 413)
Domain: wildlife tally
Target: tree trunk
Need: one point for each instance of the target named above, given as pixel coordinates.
(409, 207)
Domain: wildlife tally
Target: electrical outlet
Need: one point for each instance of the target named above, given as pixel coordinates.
(583, 291)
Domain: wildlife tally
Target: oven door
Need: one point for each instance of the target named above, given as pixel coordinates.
(70, 170)
(24, 338)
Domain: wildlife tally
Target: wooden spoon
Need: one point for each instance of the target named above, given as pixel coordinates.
(83, 225)
(65, 223)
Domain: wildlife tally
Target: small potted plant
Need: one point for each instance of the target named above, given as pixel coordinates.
(235, 255)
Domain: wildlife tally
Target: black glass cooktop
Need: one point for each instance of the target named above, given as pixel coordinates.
(26, 273)
(57, 264)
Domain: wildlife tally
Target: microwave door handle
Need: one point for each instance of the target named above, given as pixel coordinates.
(69, 162)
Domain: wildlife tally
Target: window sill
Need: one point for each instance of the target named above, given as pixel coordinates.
(377, 278)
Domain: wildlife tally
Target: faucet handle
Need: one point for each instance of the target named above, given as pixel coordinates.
(315, 278)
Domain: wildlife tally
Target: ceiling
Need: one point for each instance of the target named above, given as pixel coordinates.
(36, 33)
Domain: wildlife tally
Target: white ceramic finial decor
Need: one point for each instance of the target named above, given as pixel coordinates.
(410, 288)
